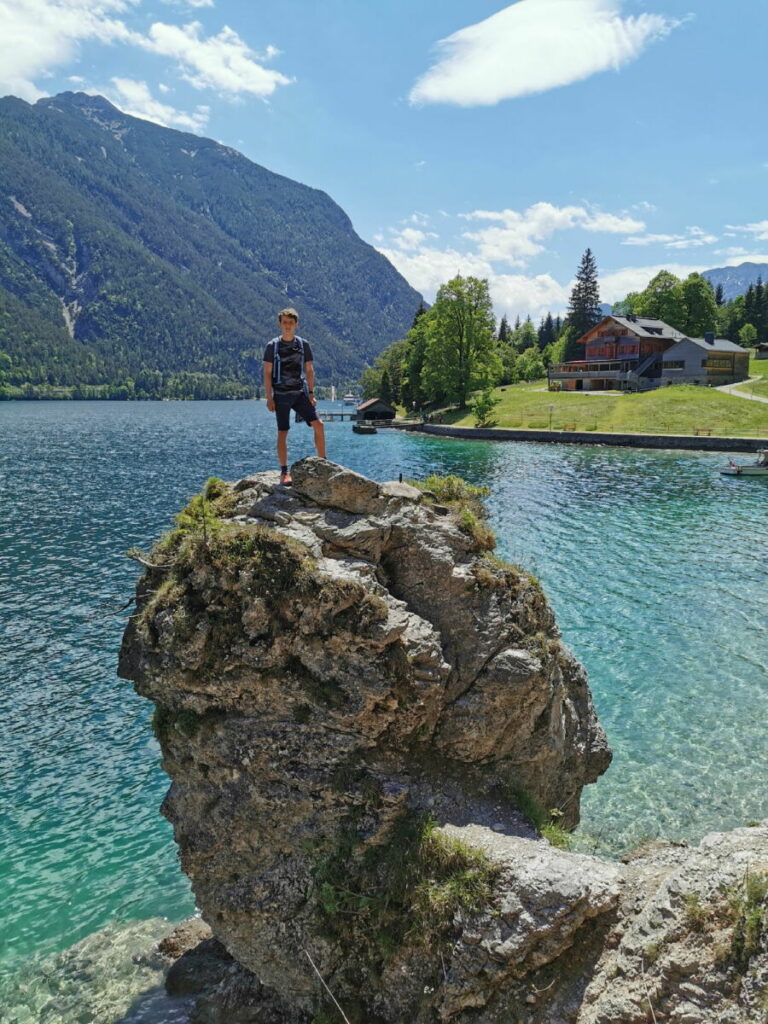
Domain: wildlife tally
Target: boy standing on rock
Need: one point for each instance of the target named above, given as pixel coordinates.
(289, 380)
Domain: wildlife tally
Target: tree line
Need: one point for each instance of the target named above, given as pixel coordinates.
(694, 307)
(455, 348)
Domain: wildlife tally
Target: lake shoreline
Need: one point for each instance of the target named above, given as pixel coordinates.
(683, 442)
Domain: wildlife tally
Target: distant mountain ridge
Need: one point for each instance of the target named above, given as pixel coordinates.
(736, 280)
(129, 250)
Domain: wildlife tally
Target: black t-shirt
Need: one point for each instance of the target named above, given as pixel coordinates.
(290, 364)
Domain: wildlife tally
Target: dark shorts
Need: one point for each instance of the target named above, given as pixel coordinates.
(300, 403)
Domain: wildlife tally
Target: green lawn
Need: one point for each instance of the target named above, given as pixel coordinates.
(680, 409)
(758, 368)
(756, 387)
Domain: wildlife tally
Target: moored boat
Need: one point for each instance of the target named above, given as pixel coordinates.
(757, 468)
(364, 428)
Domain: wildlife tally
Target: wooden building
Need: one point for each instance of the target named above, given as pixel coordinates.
(637, 353)
(376, 409)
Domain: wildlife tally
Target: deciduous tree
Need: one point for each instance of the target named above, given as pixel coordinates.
(461, 350)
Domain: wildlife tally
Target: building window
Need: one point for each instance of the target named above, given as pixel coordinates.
(676, 365)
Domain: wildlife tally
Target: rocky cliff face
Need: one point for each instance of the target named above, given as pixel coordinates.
(354, 701)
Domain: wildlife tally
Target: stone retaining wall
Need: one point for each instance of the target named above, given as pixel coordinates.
(682, 441)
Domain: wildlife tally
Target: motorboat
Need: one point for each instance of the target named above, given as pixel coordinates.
(349, 399)
(364, 428)
(757, 468)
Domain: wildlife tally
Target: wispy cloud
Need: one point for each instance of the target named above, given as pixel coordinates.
(517, 236)
(411, 238)
(535, 45)
(189, 3)
(692, 238)
(135, 98)
(223, 62)
(759, 229)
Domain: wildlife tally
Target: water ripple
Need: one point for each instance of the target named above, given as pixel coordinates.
(654, 563)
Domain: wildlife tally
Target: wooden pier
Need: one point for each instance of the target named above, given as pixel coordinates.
(330, 417)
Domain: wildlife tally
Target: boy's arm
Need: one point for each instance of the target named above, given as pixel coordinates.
(268, 385)
(309, 373)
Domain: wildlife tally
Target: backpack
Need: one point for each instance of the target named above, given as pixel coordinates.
(276, 369)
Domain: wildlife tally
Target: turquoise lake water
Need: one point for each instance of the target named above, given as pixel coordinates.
(655, 565)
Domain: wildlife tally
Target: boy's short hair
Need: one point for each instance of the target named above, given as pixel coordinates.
(288, 312)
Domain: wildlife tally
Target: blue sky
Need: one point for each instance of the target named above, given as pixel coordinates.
(460, 135)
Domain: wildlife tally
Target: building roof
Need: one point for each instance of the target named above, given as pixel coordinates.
(373, 401)
(647, 327)
(717, 345)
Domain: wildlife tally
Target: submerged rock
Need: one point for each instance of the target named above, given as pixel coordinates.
(354, 701)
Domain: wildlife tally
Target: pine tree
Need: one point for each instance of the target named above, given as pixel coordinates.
(419, 313)
(761, 311)
(584, 305)
(503, 335)
(720, 295)
(385, 389)
(547, 332)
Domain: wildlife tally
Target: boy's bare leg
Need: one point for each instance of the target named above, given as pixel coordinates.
(319, 430)
(282, 447)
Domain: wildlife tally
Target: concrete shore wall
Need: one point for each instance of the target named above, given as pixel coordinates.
(682, 441)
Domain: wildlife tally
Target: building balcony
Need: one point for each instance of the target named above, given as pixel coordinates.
(612, 370)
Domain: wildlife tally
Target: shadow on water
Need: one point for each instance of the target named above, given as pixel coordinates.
(155, 1007)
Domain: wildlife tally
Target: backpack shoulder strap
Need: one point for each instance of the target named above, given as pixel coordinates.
(276, 375)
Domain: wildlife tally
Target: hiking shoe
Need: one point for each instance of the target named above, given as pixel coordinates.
(286, 478)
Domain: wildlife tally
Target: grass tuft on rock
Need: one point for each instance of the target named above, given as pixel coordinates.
(465, 503)
(405, 891)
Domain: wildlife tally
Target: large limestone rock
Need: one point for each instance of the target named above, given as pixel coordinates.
(352, 699)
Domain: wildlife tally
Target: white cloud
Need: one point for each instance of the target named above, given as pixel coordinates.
(693, 237)
(411, 238)
(536, 296)
(427, 268)
(731, 250)
(189, 3)
(521, 234)
(535, 45)
(758, 229)
(650, 239)
(619, 283)
(136, 99)
(223, 62)
(39, 35)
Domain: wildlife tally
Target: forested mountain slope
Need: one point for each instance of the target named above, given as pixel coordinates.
(133, 251)
(736, 280)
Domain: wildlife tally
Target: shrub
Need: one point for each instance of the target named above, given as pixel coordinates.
(482, 408)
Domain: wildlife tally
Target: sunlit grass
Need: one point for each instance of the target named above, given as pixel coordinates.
(681, 409)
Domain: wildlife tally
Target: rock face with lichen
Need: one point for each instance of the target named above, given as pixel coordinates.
(354, 700)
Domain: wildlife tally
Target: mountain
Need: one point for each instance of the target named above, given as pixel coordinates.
(133, 252)
(736, 280)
